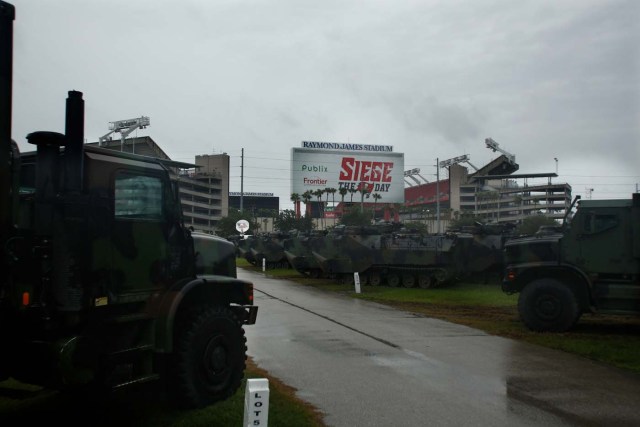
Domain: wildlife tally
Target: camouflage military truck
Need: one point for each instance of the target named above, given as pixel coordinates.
(590, 264)
(102, 286)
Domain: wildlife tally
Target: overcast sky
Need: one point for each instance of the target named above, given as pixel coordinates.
(544, 78)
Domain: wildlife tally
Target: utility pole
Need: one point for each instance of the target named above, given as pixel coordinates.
(241, 179)
(438, 195)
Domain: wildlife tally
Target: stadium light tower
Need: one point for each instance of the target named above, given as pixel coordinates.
(455, 160)
(125, 127)
(410, 174)
(496, 147)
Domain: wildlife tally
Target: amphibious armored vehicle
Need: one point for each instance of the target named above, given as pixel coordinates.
(297, 249)
(268, 248)
(392, 255)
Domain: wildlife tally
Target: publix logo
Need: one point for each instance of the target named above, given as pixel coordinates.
(314, 168)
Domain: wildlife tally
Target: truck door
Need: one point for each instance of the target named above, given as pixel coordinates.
(139, 244)
(604, 242)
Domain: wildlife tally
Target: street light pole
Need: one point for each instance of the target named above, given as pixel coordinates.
(438, 195)
(556, 159)
(590, 191)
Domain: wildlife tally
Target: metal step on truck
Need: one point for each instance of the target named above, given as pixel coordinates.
(102, 286)
(590, 264)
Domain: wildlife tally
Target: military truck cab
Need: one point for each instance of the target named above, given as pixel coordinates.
(102, 286)
(589, 265)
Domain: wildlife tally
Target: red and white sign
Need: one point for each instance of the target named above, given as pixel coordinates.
(381, 172)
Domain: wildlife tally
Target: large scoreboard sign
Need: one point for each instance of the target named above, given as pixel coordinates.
(381, 171)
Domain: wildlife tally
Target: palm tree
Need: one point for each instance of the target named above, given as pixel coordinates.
(326, 192)
(352, 191)
(376, 197)
(306, 197)
(364, 189)
(295, 198)
(343, 192)
(331, 191)
(318, 193)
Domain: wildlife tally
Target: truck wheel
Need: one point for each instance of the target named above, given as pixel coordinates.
(375, 279)
(548, 305)
(408, 280)
(440, 277)
(424, 281)
(393, 280)
(209, 357)
(346, 279)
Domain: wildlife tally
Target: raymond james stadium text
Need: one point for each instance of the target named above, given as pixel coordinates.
(346, 146)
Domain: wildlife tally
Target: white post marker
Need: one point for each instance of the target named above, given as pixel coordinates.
(264, 264)
(256, 403)
(356, 280)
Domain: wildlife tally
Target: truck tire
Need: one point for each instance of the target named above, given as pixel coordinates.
(548, 305)
(209, 357)
(424, 281)
(374, 278)
(346, 279)
(408, 280)
(393, 280)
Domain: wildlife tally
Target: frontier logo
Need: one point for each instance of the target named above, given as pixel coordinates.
(314, 181)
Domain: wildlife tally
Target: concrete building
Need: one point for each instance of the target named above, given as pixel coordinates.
(257, 203)
(493, 193)
(204, 191)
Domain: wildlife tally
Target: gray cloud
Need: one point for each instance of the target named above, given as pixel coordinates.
(543, 78)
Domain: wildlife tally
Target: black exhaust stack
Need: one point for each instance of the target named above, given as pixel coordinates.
(7, 16)
(74, 150)
(47, 184)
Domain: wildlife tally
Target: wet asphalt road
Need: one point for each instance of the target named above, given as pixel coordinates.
(364, 364)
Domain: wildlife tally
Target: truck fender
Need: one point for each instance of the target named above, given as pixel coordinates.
(574, 278)
(213, 290)
(571, 276)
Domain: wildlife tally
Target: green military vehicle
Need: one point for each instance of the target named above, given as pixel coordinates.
(590, 264)
(102, 286)
(268, 248)
(297, 249)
